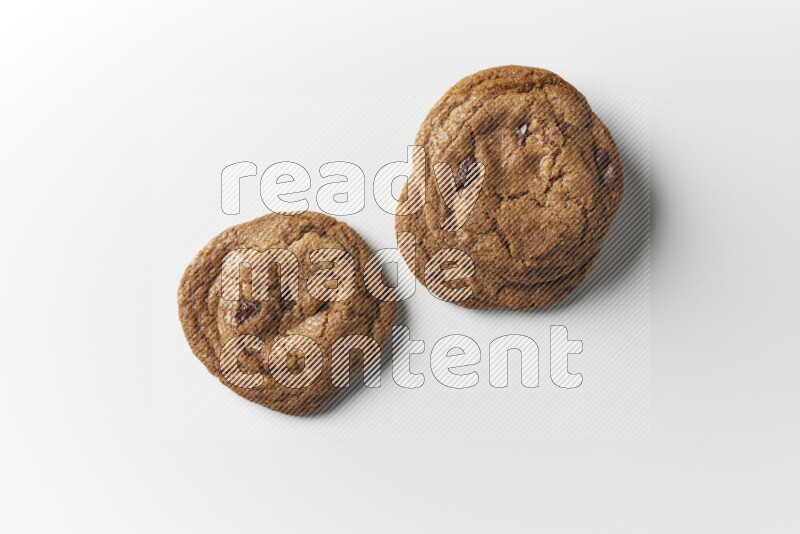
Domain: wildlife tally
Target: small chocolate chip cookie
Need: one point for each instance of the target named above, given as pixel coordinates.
(272, 306)
(520, 175)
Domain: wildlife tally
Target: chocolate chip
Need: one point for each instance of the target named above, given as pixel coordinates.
(564, 127)
(247, 310)
(607, 169)
(522, 133)
(286, 304)
(601, 159)
(467, 172)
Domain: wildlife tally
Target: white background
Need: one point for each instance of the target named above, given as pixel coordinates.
(77, 451)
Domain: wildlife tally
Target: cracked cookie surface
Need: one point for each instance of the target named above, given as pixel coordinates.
(550, 186)
(211, 319)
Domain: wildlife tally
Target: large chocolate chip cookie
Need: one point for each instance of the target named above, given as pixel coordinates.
(523, 177)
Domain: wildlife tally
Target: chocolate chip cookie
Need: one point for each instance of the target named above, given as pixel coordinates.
(272, 306)
(520, 175)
